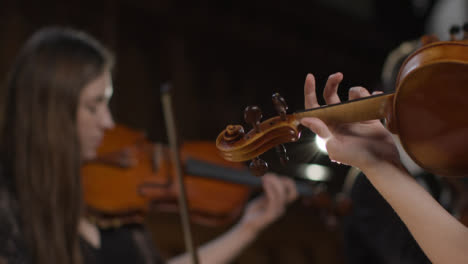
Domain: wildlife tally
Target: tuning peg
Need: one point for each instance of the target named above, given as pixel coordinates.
(454, 30)
(252, 115)
(281, 151)
(233, 133)
(465, 31)
(280, 105)
(258, 167)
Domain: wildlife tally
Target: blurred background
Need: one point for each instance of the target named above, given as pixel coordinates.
(221, 56)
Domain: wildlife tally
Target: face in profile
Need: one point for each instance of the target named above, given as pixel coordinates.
(93, 115)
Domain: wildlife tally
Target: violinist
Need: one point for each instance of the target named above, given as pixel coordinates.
(370, 147)
(54, 114)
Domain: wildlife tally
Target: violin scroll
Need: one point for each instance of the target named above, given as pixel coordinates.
(233, 133)
(236, 145)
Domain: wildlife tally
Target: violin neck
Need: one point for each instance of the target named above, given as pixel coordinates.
(363, 109)
(244, 177)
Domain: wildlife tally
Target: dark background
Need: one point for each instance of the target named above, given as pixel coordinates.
(221, 56)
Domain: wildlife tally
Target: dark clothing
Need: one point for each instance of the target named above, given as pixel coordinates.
(125, 245)
(129, 244)
(12, 247)
(374, 233)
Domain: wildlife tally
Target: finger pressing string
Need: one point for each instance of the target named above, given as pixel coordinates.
(357, 92)
(271, 196)
(276, 188)
(331, 88)
(291, 191)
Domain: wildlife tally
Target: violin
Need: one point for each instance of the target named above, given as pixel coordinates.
(427, 110)
(132, 176)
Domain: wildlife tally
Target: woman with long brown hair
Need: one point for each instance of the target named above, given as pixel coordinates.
(54, 115)
(50, 94)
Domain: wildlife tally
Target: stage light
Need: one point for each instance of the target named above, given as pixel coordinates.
(320, 144)
(315, 172)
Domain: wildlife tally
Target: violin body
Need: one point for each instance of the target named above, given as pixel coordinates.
(132, 176)
(427, 111)
(430, 108)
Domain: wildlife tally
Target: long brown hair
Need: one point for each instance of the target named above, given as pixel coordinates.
(39, 141)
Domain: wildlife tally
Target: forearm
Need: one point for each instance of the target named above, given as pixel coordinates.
(439, 234)
(222, 249)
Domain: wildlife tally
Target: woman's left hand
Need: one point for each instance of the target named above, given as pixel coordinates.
(279, 191)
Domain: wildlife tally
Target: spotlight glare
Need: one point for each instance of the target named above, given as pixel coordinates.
(316, 172)
(320, 143)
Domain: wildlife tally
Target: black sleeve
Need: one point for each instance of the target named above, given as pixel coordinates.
(126, 244)
(374, 233)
